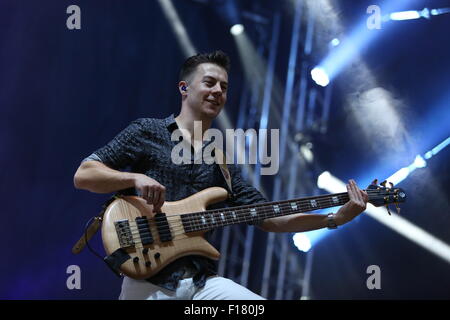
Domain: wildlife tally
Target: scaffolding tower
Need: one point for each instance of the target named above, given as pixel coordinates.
(268, 263)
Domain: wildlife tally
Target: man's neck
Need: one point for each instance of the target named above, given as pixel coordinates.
(189, 121)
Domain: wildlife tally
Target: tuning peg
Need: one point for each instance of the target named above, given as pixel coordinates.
(384, 183)
(392, 185)
(398, 208)
(373, 185)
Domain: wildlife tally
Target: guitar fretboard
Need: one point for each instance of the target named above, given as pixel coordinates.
(207, 220)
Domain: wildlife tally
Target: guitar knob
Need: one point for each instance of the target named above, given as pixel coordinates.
(145, 251)
(148, 264)
(157, 255)
(136, 259)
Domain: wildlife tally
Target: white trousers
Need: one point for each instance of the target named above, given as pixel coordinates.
(216, 288)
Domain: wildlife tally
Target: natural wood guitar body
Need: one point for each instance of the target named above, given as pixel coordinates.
(159, 253)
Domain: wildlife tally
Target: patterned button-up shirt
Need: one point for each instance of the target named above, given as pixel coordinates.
(145, 146)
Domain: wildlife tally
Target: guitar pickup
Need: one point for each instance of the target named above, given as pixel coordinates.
(144, 230)
(163, 227)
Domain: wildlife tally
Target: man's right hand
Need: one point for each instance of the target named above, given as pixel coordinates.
(151, 190)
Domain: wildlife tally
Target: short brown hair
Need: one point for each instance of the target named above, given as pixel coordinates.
(217, 57)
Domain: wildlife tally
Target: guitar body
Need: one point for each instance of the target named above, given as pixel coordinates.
(141, 263)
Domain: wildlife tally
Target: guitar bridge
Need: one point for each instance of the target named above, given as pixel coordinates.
(124, 233)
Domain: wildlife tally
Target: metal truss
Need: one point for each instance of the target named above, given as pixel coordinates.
(268, 263)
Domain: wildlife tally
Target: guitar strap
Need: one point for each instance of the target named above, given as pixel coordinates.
(222, 162)
(94, 224)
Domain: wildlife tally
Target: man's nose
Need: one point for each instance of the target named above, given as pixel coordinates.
(217, 89)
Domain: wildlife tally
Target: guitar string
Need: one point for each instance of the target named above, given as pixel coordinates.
(159, 218)
(230, 209)
(195, 221)
(178, 229)
(175, 229)
(241, 208)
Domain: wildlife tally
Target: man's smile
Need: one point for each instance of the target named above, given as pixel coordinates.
(214, 102)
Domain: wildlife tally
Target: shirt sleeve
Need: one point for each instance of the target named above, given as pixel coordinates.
(243, 192)
(122, 151)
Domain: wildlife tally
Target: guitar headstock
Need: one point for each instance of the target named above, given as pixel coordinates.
(381, 195)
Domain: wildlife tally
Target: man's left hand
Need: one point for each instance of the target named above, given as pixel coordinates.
(356, 204)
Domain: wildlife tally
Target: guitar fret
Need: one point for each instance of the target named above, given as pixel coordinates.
(293, 205)
(276, 209)
(199, 221)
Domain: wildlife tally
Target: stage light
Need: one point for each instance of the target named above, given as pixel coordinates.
(437, 149)
(419, 162)
(435, 12)
(230, 13)
(306, 152)
(302, 242)
(395, 222)
(399, 176)
(411, 232)
(320, 77)
(237, 29)
(412, 14)
(405, 15)
(177, 27)
(335, 42)
(353, 43)
(326, 181)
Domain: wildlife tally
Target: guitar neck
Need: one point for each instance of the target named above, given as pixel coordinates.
(207, 220)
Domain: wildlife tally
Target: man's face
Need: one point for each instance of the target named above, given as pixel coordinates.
(207, 90)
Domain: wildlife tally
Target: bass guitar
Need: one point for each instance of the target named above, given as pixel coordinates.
(139, 242)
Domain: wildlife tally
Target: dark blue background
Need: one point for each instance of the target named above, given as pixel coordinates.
(64, 93)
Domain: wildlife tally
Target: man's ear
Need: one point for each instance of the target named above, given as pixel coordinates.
(182, 86)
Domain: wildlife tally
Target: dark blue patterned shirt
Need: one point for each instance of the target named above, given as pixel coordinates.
(145, 146)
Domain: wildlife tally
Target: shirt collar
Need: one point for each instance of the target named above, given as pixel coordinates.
(170, 123)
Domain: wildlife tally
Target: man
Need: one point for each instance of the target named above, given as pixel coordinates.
(145, 148)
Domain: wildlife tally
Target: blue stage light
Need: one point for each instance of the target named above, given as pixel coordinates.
(320, 77)
(413, 14)
(419, 162)
(405, 15)
(335, 42)
(302, 242)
